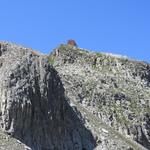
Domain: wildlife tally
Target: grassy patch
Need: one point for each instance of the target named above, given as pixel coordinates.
(51, 60)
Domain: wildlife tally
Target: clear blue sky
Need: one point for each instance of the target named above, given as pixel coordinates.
(116, 26)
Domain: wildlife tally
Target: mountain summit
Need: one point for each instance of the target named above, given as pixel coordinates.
(72, 99)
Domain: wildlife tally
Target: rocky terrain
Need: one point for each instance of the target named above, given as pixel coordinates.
(72, 99)
(113, 88)
(33, 105)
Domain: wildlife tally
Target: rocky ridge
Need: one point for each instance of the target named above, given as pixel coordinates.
(114, 89)
(72, 100)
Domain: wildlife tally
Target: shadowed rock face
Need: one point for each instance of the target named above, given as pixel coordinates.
(33, 105)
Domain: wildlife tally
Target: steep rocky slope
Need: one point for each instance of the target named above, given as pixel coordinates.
(33, 105)
(72, 100)
(113, 89)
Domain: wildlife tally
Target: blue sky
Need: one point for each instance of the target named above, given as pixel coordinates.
(116, 26)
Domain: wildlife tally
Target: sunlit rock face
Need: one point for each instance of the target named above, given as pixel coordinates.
(114, 88)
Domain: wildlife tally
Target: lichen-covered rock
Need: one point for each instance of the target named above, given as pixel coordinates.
(115, 89)
(33, 106)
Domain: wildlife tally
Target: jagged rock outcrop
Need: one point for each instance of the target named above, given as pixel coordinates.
(33, 105)
(72, 100)
(115, 89)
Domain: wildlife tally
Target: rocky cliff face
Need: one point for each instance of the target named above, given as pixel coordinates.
(72, 100)
(113, 89)
(33, 106)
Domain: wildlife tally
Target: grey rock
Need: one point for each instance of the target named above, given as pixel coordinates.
(33, 106)
(112, 88)
(72, 100)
